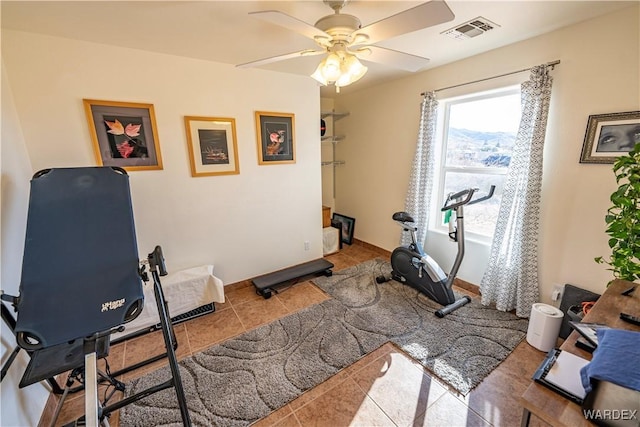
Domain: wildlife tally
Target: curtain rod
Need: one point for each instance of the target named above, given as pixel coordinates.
(550, 64)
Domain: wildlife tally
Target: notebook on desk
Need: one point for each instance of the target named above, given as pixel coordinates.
(560, 371)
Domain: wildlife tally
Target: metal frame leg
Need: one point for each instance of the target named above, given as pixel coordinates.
(91, 389)
(156, 263)
(169, 339)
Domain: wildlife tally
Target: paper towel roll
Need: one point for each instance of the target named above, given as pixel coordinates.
(544, 326)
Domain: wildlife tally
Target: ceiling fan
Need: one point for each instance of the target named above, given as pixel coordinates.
(343, 39)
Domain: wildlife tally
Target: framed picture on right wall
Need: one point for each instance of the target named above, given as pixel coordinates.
(348, 224)
(610, 136)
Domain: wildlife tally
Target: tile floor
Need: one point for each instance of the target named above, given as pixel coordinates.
(385, 388)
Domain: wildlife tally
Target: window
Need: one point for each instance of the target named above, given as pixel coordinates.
(478, 134)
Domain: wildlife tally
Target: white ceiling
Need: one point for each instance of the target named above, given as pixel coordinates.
(222, 31)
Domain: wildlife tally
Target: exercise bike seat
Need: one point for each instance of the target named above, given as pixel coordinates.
(402, 217)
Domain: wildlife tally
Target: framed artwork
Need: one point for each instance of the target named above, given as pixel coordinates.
(124, 134)
(348, 225)
(213, 147)
(276, 138)
(609, 136)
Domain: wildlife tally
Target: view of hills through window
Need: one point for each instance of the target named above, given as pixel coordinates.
(480, 149)
(479, 137)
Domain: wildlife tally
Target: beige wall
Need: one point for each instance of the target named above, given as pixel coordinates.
(245, 225)
(598, 74)
(235, 222)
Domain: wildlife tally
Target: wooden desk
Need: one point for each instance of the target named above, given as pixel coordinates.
(550, 406)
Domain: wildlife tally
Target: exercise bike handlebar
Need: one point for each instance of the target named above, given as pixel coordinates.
(453, 201)
(489, 195)
(469, 192)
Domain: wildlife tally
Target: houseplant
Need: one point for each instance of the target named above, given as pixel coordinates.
(623, 219)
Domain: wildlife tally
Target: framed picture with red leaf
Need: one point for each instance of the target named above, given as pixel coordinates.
(124, 134)
(276, 138)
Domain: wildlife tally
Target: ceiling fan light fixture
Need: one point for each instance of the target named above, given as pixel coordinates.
(317, 75)
(352, 71)
(341, 36)
(341, 68)
(331, 67)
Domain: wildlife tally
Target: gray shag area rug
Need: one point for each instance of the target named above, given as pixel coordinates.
(243, 379)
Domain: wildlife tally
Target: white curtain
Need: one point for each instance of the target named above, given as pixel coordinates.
(418, 198)
(511, 278)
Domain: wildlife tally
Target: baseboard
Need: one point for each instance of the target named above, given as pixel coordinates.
(470, 287)
(382, 252)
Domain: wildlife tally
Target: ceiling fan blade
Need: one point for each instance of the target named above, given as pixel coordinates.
(272, 59)
(295, 24)
(392, 58)
(422, 16)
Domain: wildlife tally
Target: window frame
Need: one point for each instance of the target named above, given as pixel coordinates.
(442, 138)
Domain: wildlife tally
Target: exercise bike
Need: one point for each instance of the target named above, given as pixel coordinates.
(411, 265)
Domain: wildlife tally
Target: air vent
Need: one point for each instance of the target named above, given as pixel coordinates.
(470, 29)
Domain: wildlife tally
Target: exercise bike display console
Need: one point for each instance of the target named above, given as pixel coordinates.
(412, 266)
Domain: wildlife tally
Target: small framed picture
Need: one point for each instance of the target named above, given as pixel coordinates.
(124, 134)
(213, 148)
(588, 330)
(276, 138)
(610, 136)
(348, 224)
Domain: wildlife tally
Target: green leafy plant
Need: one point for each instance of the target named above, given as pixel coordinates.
(623, 219)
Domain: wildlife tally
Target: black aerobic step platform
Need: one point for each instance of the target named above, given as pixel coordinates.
(265, 284)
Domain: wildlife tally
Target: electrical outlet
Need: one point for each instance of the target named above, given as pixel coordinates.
(306, 245)
(558, 290)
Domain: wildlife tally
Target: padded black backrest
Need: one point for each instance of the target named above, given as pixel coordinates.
(80, 266)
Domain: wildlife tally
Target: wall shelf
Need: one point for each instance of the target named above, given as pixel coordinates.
(336, 116)
(332, 138)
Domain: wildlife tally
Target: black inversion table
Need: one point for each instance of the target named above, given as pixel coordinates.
(81, 279)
